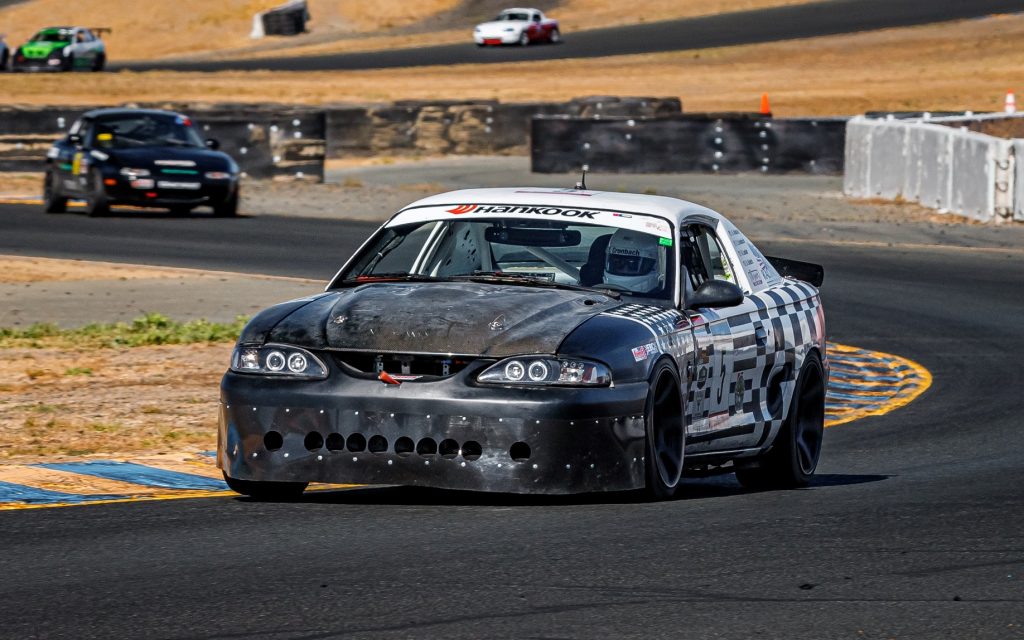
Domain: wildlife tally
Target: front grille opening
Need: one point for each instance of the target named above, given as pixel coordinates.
(313, 441)
(378, 444)
(448, 448)
(404, 446)
(273, 440)
(519, 451)
(335, 442)
(471, 450)
(426, 447)
(431, 367)
(356, 442)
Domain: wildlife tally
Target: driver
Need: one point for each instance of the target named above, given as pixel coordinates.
(633, 261)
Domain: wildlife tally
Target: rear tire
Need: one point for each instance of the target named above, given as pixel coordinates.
(269, 491)
(99, 62)
(555, 37)
(666, 433)
(68, 63)
(228, 208)
(791, 461)
(96, 203)
(53, 201)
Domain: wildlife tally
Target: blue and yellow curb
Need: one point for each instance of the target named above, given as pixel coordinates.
(862, 383)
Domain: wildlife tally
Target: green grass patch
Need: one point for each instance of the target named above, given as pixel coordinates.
(150, 329)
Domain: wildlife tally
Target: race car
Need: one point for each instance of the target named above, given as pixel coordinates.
(535, 340)
(517, 26)
(62, 49)
(140, 157)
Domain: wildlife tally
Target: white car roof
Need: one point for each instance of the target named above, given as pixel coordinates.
(519, 9)
(673, 210)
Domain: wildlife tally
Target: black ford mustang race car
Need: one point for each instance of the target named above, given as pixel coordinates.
(139, 157)
(535, 340)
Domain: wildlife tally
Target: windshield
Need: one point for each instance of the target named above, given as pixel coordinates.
(519, 251)
(144, 129)
(513, 16)
(52, 35)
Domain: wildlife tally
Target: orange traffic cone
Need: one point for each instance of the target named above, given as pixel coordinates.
(766, 110)
(1010, 106)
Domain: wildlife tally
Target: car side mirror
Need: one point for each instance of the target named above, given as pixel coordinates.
(715, 294)
(212, 144)
(74, 138)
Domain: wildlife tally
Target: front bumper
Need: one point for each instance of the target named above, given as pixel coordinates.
(496, 39)
(448, 434)
(209, 193)
(36, 65)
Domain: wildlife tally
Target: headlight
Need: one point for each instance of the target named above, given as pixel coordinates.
(134, 173)
(533, 370)
(217, 175)
(277, 360)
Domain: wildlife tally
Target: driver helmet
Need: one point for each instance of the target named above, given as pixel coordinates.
(632, 261)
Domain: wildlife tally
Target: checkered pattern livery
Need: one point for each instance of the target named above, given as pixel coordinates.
(772, 331)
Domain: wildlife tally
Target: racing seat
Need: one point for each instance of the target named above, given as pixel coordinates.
(592, 271)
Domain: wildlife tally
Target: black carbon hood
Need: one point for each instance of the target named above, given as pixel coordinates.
(464, 318)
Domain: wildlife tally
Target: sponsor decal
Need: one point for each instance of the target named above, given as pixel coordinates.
(644, 351)
(188, 186)
(174, 163)
(619, 251)
(564, 212)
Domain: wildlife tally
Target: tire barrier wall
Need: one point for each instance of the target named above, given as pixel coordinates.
(703, 143)
(274, 142)
(465, 127)
(288, 19)
(950, 170)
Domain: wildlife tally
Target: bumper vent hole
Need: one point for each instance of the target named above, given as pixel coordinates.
(378, 444)
(471, 450)
(314, 441)
(448, 448)
(273, 441)
(519, 451)
(356, 443)
(426, 447)
(404, 446)
(335, 442)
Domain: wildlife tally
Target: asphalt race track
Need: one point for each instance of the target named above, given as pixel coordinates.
(913, 527)
(748, 27)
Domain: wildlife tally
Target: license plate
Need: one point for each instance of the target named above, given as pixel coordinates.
(166, 184)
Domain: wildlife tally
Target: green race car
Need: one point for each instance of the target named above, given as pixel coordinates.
(62, 49)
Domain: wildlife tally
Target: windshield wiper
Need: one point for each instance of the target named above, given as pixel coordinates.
(532, 281)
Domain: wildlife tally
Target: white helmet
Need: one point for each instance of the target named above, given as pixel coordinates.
(632, 261)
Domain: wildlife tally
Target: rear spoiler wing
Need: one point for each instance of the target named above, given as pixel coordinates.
(808, 272)
(99, 31)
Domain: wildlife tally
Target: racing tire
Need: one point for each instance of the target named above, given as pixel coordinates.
(53, 201)
(555, 37)
(228, 208)
(4, 59)
(524, 39)
(666, 433)
(268, 491)
(68, 63)
(96, 203)
(791, 461)
(99, 62)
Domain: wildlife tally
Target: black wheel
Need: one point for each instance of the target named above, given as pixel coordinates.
(4, 60)
(68, 63)
(555, 37)
(271, 491)
(96, 203)
(791, 461)
(524, 39)
(666, 433)
(99, 62)
(228, 208)
(53, 201)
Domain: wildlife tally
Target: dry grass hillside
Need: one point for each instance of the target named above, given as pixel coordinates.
(960, 65)
(163, 28)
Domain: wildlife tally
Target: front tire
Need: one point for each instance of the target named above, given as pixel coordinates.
(524, 39)
(666, 433)
(228, 208)
(791, 461)
(53, 201)
(269, 491)
(96, 203)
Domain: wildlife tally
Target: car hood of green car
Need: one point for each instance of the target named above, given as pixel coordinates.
(41, 49)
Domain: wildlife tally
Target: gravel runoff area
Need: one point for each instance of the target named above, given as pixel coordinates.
(57, 403)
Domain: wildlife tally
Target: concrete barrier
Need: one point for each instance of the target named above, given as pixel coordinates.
(687, 143)
(941, 167)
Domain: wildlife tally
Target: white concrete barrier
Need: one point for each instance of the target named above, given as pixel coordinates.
(950, 170)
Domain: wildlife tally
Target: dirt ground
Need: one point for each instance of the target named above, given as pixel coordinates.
(189, 27)
(953, 66)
